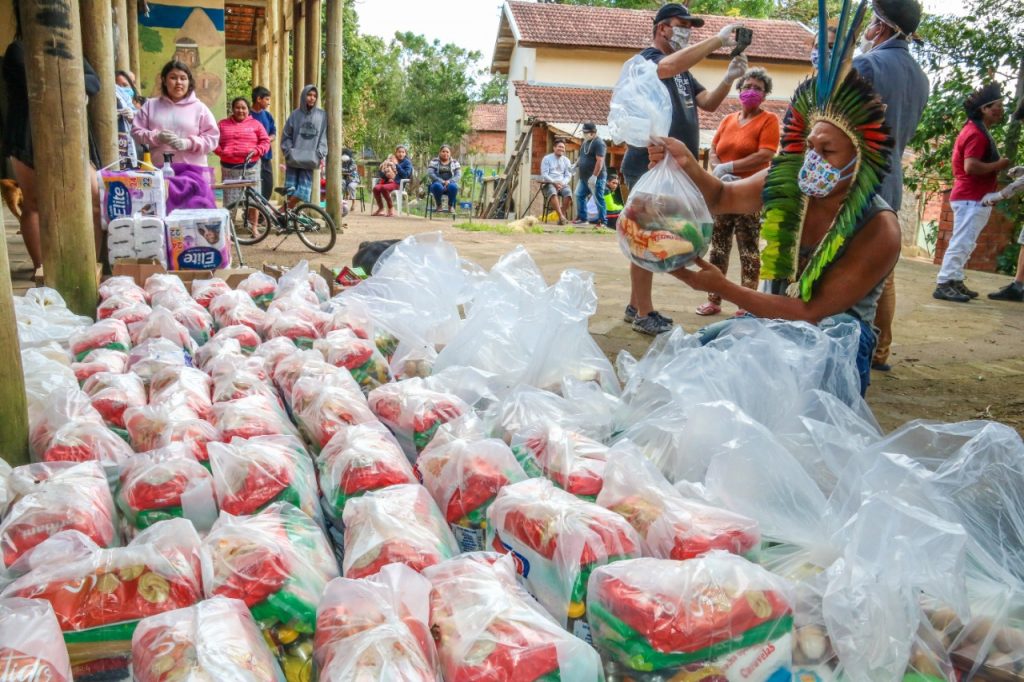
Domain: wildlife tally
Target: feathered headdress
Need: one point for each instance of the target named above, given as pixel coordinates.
(838, 95)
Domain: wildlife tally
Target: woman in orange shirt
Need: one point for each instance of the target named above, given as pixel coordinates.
(744, 144)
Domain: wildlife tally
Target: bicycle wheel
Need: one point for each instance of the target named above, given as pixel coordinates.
(250, 221)
(314, 227)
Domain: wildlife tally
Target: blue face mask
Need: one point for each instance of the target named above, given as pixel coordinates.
(126, 92)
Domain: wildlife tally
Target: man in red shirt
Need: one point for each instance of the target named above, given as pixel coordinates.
(976, 165)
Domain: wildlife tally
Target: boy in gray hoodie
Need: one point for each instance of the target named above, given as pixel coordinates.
(304, 144)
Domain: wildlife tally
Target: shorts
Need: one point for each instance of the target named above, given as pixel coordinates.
(549, 191)
(301, 179)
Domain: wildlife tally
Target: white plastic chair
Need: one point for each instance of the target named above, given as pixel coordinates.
(400, 196)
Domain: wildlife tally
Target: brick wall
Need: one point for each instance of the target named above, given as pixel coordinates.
(487, 142)
(993, 239)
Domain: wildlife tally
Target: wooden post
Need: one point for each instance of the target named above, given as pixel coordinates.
(56, 94)
(280, 67)
(133, 37)
(13, 408)
(314, 38)
(98, 46)
(122, 54)
(298, 68)
(332, 102)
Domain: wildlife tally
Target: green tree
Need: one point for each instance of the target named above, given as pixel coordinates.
(495, 90)
(239, 80)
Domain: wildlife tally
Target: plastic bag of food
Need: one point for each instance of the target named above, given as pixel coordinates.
(132, 314)
(413, 411)
(216, 639)
(111, 394)
(205, 290)
(236, 307)
(254, 415)
(171, 299)
(360, 357)
(196, 320)
(165, 484)
(275, 350)
(261, 287)
(30, 642)
(240, 383)
(376, 629)
(161, 283)
(122, 286)
(53, 497)
(665, 223)
(300, 324)
(670, 526)
(277, 562)
(100, 360)
(352, 313)
(329, 408)
(309, 365)
(69, 429)
(640, 109)
(187, 386)
(153, 355)
(247, 338)
(251, 473)
(559, 540)
(397, 524)
(488, 628)
(45, 374)
(115, 307)
(574, 462)
(717, 612)
(464, 477)
(110, 334)
(99, 595)
(162, 325)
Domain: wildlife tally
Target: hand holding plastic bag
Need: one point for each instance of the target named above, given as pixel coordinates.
(641, 109)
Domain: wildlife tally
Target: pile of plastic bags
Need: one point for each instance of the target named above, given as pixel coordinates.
(438, 475)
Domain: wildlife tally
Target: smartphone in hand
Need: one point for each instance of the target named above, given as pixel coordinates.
(744, 36)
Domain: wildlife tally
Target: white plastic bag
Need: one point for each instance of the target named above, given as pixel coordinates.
(641, 108)
(31, 646)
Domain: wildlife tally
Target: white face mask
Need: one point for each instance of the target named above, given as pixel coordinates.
(865, 45)
(680, 37)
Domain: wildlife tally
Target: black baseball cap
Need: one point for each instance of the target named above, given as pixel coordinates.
(589, 127)
(674, 9)
(905, 15)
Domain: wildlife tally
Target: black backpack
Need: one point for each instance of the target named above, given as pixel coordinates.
(369, 253)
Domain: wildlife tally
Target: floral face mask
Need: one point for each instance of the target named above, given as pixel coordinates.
(818, 178)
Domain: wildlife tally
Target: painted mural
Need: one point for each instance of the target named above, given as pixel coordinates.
(191, 32)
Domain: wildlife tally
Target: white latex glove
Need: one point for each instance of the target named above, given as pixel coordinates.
(128, 114)
(737, 67)
(178, 144)
(592, 185)
(728, 36)
(1010, 190)
(1016, 172)
(722, 169)
(166, 137)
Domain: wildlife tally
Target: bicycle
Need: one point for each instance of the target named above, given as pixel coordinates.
(253, 218)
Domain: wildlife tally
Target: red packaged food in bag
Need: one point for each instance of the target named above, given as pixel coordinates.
(187, 386)
(161, 283)
(165, 484)
(414, 412)
(100, 360)
(236, 308)
(574, 462)
(251, 473)
(205, 290)
(122, 286)
(323, 408)
(31, 647)
(111, 394)
(132, 314)
(246, 336)
(260, 287)
(109, 334)
(109, 307)
(252, 416)
(69, 429)
(360, 357)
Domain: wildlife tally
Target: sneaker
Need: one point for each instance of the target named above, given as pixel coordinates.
(1014, 291)
(881, 366)
(652, 324)
(962, 288)
(948, 292)
(630, 314)
(579, 222)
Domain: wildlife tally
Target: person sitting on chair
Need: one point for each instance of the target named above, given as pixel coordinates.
(349, 174)
(555, 172)
(443, 172)
(612, 204)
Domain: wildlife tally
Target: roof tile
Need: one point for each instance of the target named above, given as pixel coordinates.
(488, 117)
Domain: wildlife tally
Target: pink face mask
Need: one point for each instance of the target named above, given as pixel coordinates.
(751, 98)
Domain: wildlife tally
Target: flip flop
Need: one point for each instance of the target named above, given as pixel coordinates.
(708, 308)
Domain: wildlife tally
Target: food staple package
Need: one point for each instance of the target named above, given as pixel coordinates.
(558, 540)
(397, 524)
(715, 618)
(99, 595)
(414, 412)
(573, 461)
(277, 562)
(671, 526)
(198, 239)
(49, 498)
(69, 429)
(31, 648)
(215, 640)
(251, 473)
(344, 348)
(109, 334)
(464, 476)
(112, 393)
(251, 416)
(376, 629)
(324, 407)
(488, 628)
(165, 484)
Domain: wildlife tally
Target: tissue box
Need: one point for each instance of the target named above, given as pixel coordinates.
(125, 193)
(137, 237)
(197, 239)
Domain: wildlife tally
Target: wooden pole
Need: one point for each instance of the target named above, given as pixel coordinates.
(133, 37)
(122, 55)
(279, 70)
(13, 408)
(56, 94)
(98, 46)
(298, 69)
(332, 100)
(314, 44)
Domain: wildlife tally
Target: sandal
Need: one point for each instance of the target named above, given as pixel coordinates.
(379, 211)
(708, 308)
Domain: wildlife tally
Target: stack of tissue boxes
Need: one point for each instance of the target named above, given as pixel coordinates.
(198, 239)
(137, 236)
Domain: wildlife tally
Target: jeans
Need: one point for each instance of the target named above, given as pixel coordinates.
(582, 192)
(439, 190)
(969, 219)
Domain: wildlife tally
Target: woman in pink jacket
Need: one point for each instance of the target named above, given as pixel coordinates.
(240, 135)
(176, 122)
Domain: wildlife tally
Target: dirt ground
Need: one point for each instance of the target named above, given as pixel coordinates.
(951, 362)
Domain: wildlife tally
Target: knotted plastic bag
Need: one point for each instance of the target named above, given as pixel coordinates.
(640, 108)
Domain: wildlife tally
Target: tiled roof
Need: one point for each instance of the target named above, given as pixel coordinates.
(488, 117)
(240, 23)
(624, 29)
(549, 103)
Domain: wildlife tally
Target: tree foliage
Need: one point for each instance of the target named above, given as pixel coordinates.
(495, 90)
(239, 81)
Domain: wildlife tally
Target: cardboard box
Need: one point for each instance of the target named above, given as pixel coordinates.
(37, 276)
(341, 278)
(139, 269)
(274, 270)
(234, 276)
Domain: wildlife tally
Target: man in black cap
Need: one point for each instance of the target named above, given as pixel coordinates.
(976, 167)
(590, 165)
(671, 51)
(885, 62)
